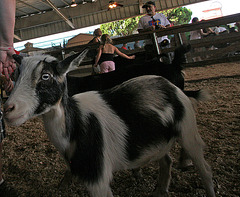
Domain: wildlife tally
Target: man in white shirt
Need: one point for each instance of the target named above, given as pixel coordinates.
(153, 21)
(220, 30)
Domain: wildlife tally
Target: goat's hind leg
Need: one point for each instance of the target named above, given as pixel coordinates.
(194, 148)
(164, 178)
(205, 173)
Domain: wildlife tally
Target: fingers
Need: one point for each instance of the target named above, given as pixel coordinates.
(14, 66)
(10, 70)
(8, 86)
(7, 63)
(163, 27)
(1, 67)
(133, 57)
(5, 72)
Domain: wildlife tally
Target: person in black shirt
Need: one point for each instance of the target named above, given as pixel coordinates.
(106, 53)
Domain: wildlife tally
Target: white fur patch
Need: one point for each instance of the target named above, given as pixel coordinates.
(24, 93)
(114, 130)
(54, 122)
(114, 133)
(153, 153)
(166, 114)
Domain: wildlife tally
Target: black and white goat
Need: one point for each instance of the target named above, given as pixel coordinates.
(99, 132)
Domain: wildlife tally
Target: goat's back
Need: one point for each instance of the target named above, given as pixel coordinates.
(150, 107)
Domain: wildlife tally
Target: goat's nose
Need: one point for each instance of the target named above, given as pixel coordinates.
(8, 108)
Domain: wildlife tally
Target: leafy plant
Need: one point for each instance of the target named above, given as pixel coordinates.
(121, 27)
(126, 27)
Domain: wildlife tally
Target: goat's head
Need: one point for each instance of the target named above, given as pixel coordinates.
(40, 85)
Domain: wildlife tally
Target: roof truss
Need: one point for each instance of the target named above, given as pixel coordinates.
(36, 18)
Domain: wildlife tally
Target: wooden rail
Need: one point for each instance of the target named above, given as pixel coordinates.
(231, 39)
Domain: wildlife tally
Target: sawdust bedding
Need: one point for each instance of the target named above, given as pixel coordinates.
(33, 167)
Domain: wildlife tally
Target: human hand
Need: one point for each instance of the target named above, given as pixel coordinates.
(7, 63)
(162, 27)
(151, 28)
(8, 85)
(132, 57)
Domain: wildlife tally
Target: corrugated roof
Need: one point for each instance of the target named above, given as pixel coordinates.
(36, 18)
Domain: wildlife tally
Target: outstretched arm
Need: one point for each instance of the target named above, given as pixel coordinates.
(122, 54)
(7, 22)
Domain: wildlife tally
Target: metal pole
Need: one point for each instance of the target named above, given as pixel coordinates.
(155, 43)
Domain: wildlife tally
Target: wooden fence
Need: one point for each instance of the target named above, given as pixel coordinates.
(219, 54)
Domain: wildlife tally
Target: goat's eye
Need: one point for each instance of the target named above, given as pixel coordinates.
(46, 76)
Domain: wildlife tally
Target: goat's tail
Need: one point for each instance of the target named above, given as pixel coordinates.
(198, 95)
(179, 55)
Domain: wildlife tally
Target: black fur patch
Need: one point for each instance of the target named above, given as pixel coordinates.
(87, 160)
(145, 128)
(49, 91)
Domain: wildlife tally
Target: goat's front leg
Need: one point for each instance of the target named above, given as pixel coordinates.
(100, 189)
(100, 192)
(165, 165)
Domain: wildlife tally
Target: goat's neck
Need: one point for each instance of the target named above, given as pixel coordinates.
(55, 126)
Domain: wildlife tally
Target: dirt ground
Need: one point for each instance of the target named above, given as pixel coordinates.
(33, 167)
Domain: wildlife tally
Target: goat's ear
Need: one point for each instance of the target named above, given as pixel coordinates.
(71, 62)
(17, 58)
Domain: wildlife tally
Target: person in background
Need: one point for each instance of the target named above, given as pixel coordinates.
(150, 22)
(198, 34)
(93, 52)
(106, 53)
(237, 24)
(97, 36)
(195, 35)
(124, 46)
(231, 27)
(7, 64)
(220, 30)
(208, 31)
(137, 45)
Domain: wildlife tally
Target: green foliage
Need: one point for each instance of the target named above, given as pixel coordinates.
(179, 15)
(121, 27)
(126, 27)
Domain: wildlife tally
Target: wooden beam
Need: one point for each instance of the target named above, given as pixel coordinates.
(59, 13)
(28, 5)
(213, 61)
